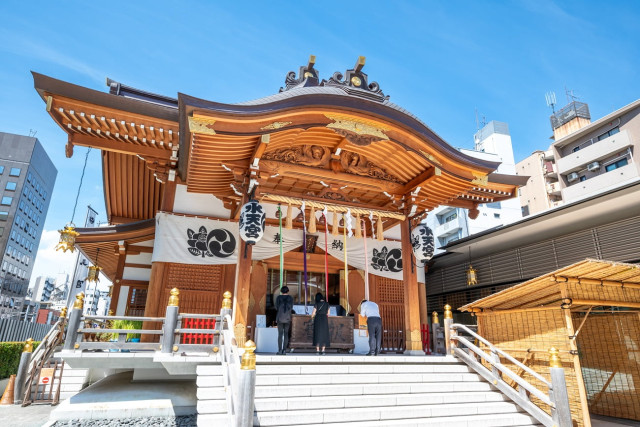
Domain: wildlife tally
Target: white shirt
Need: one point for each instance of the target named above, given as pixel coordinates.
(369, 309)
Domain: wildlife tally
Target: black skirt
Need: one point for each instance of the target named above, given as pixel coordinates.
(321, 326)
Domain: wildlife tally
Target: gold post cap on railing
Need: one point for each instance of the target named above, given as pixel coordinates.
(28, 346)
(110, 313)
(248, 361)
(226, 302)
(554, 358)
(63, 313)
(79, 302)
(434, 317)
(447, 312)
(173, 299)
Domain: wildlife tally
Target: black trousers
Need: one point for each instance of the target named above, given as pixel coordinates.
(374, 326)
(283, 336)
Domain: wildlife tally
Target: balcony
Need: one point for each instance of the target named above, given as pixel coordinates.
(448, 228)
(594, 152)
(553, 188)
(601, 183)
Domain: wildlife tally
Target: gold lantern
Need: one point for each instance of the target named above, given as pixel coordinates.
(67, 238)
(94, 270)
(472, 277)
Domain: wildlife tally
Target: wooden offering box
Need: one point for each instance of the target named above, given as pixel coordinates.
(340, 332)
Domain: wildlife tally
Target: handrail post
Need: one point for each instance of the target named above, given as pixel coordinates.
(225, 310)
(246, 386)
(435, 324)
(23, 371)
(448, 321)
(170, 322)
(75, 318)
(561, 414)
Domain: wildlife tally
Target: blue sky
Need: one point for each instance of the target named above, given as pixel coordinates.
(441, 60)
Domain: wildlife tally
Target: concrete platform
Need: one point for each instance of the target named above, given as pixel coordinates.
(117, 397)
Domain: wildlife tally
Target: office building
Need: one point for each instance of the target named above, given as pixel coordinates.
(27, 177)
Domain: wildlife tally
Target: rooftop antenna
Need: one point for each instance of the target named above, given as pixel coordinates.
(32, 133)
(551, 100)
(477, 121)
(570, 95)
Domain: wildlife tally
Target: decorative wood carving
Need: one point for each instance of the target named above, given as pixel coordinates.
(308, 155)
(357, 132)
(201, 125)
(358, 164)
(275, 125)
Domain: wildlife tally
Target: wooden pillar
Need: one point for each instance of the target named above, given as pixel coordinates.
(242, 292)
(121, 249)
(343, 295)
(411, 295)
(168, 195)
(258, 294)
(586, 419)
(422, 293)
(154, 293)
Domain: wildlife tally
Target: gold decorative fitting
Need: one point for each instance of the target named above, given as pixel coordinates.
(447, 312)
(63, 313)
(93, 274)
(76, 346)
(173, 299)
(67, 238)
(248, 361)
(479, 179)
(360, 127)
(434, 317)
(226, 302)
(79, 302)
(554, 358)
(472, 276)
(355, 80)
(216, 349)
(201, 125)
(28, 346)
(175, 348)
(275, 125)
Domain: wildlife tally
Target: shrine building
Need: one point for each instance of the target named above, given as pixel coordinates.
(340, 176)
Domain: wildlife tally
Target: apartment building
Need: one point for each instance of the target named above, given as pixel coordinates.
(27, 177)
(491, 142)
(586, 158)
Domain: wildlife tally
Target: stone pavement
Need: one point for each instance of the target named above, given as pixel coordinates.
(29, 416)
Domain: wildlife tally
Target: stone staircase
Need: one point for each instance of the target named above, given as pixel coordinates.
(377, 391)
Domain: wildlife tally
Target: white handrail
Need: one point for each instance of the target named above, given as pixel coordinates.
(231, 366)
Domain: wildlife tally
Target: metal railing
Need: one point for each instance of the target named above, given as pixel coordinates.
(555, 397)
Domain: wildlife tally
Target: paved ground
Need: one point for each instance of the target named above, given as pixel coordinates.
(29, 416)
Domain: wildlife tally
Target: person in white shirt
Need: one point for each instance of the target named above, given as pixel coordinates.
(370, 310)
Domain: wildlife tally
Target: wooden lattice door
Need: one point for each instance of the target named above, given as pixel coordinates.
(391, 303)
(136, 301)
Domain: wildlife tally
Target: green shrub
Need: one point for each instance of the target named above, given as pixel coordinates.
(126, 324)
(10, 357)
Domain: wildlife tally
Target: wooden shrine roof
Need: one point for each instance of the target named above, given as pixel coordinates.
(108, 239)
(588, 282)
(337, 141)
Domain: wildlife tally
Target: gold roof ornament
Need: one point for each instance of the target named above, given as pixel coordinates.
(67, 238)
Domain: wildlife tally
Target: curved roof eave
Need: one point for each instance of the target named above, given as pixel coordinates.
(332, 98)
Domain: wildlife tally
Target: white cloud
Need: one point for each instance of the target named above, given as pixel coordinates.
(50, 262)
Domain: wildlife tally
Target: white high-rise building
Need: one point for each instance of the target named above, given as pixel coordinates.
(493, 142)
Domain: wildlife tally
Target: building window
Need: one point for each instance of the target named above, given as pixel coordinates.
(609, 133)
(4, 215)
(451, 217)
(620, 163)
(525, 210)
(494, 205)
(15, 172)
(6, 201)
(496, 215)
(11, 186)
(583, 178)
(1, 170)
(575, 149)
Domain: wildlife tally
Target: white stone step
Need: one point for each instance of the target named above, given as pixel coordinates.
(360, 369)
(212, 406)
(211, 393)
(363, 401)
(210, 420)
(385, 413)
(310, 358)
(493, 420)
(272, 380)
(371, 389)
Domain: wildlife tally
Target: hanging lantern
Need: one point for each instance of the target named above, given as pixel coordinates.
(422, 242)
(251, 224)
(94, 271)
(67, 238)
(472, 277)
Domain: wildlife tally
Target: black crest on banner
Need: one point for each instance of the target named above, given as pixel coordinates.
(216, 243)
(387, 260)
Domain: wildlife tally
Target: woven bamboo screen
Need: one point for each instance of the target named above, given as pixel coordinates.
(537, 331)
(609, 348)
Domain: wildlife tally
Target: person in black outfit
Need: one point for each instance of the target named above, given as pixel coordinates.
(284, 305)
(320, 323)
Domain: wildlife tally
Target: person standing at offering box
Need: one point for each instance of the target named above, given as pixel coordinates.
(284, 305)
(370, 310)
(320, 323)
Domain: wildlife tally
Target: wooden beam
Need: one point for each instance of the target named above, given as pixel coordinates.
(133, 265)
(139, 249)
(421, 180)
(118, 147)
(593, 302)
(260, 148)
